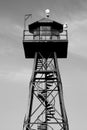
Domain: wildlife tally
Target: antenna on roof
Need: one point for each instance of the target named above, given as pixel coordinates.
(47, 11)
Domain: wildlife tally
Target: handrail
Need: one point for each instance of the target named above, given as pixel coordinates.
(44, 37)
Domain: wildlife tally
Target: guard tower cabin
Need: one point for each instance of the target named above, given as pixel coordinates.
(45, 36)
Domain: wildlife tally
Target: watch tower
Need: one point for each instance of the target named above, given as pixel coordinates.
(45, 41)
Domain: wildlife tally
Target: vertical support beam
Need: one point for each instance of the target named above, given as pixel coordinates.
(31, 91)
(46, 92)
(60, 89)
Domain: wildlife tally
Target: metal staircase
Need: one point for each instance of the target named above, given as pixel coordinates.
(46, 103)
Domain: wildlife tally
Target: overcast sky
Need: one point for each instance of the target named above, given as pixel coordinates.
(15, 70)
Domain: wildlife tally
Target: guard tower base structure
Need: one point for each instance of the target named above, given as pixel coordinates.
(46, 104)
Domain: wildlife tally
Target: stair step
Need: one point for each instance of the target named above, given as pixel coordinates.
(49, 84)
(41, 97)
(50, 114)
(40, 61)
(49, 81)
(52, 111)
(44, 91)
(38, 66)
(49, 108)
(48, 105)
(49, 117)
(49, 76)
(47, 88)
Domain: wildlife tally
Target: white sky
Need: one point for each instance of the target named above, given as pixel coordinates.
(15, 70)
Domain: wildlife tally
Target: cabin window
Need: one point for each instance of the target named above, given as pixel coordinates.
(45, 32)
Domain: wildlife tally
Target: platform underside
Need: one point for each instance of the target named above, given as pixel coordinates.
(45, 48)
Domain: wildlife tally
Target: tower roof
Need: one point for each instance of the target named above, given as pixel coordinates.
(46, 22)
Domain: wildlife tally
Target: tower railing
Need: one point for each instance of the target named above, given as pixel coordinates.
(45, 36)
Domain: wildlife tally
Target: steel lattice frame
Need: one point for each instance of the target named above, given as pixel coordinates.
(46, 104)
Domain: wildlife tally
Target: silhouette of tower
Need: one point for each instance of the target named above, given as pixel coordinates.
(45, 41)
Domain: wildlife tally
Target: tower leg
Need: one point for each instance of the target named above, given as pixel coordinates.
(46, 103)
